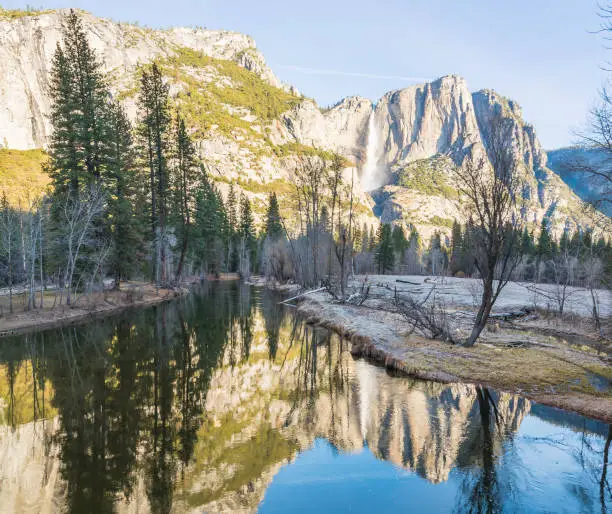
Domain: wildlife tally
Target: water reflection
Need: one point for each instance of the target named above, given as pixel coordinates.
(197, 405)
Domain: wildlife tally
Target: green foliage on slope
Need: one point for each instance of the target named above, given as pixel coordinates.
(225, 101)
(428, 176)
(14, 14)
(21, 174)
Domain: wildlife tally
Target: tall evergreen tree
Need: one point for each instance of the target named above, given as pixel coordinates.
(248, 239)
(232, 235)
(79, 107)
(545, 247)
(384, 256)
(456, 260)
(210, 228)
(122, 184)
(154, 129)
(184, 178)
(80, 154)
(274, 226)
(400, 243)
(527, 243)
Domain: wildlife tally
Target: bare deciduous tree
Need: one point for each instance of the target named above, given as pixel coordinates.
(490, 186)
(8, 240)
(78, 215)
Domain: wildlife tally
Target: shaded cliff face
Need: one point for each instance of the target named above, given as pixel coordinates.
(567, 161)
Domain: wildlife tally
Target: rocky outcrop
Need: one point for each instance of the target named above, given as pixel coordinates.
(428, 119)
(27, 44)
(342, 128)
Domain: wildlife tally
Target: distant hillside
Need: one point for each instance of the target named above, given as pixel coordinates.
(566, 161)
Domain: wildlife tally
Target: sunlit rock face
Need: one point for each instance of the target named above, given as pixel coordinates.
(427, 119)
(27, 45)
(418, 124)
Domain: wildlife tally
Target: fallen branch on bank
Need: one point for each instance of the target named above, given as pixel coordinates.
(302, 295)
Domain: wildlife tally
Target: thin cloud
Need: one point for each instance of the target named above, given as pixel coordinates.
(318, 71)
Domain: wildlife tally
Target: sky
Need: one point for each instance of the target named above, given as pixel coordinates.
(541, 53)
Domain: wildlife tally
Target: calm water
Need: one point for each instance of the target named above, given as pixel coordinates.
(225, 402)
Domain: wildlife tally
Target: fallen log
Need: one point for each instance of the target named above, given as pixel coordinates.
(407, 282)
(507, 316)
(303, 294)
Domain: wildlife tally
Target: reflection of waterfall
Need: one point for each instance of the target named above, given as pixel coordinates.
(369, 178)
(366, 376)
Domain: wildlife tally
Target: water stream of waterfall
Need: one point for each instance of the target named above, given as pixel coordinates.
(369, 178)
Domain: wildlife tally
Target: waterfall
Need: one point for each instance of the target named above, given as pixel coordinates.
(369, 179)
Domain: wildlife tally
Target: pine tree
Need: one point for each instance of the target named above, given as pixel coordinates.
(184, 178)
(154, 128)
(79, 108)
(456, 260)
(232, 236)
(210, 228)
(274, 227)
(545, 245)
(384, 256)
(373, 240)
(365, 238)
(122, 182)
(468, 248)
(527, 243)
(248, 239)
(80, 152)
(400, 243)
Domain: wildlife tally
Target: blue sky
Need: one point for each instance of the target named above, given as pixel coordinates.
(538, 52)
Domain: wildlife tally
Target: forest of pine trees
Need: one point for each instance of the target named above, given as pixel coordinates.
(126, 201)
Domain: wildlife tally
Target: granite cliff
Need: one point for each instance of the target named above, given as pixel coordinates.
(249, 127)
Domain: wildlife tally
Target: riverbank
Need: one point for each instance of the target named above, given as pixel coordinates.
(88, 307)
(551, 362)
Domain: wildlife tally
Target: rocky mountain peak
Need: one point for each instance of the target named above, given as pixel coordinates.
(27, 44)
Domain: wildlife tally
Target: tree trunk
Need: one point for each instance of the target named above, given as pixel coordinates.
(483, 312)
(10, 274)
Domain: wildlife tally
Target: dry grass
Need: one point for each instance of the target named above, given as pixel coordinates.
(21, 175)
(545, 369)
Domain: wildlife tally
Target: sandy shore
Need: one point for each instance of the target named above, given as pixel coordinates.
(551, 362)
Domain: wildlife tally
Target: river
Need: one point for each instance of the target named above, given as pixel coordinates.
(225, 401)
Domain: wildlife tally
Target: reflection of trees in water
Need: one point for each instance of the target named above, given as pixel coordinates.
(274, 315)
(129, 386)
(481, 488)
(131, 395)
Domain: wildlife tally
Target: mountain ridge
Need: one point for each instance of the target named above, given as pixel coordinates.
(249, 127)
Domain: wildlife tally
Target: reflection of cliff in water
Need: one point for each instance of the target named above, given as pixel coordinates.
(199, 403)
